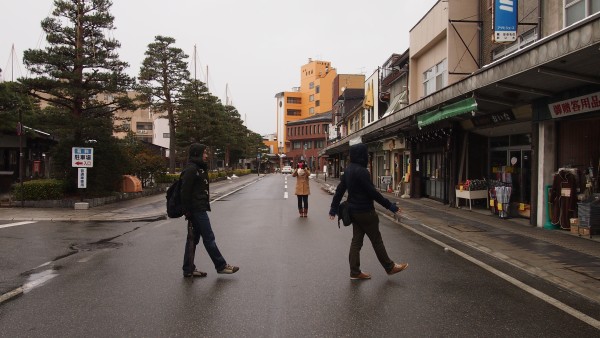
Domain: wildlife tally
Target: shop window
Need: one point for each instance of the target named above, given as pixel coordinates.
(500, 141)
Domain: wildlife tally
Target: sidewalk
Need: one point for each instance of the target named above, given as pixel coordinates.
(140, 209)
(557, 256)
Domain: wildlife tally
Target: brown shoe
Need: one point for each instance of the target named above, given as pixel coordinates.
(397, 268)
(361, 275)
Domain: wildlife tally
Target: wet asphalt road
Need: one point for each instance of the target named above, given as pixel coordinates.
(293, 281)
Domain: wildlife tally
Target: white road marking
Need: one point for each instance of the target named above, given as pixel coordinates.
(548, 299)
(285, 195)
(15, 224)
(38, 279)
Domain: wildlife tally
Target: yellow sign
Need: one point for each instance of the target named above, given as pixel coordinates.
(499, 206)
(491, 203)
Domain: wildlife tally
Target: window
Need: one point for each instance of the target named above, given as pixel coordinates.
(576, 10)
(295, 100)
(311, 85)
(435, 78)
(523, 40)
(294, 112)
(311, 98)
(297, 145)
(308, 145)
(311, 111)
(319, 144)
(317, 89)
(318, 103)
(371, 115)
(166, 135)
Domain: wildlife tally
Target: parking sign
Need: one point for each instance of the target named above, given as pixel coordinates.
(82, 157)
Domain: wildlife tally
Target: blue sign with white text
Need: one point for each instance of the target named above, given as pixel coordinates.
(505, 20)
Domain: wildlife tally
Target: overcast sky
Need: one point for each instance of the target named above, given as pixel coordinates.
(255, 48)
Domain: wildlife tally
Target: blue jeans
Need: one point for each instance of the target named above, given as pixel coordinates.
(199, 227)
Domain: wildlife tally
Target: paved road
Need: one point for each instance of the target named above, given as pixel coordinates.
(293, 282)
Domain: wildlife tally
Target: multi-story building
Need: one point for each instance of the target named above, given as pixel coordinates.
(307, 137)
(313, 97)
(506, 92)
(139, 122)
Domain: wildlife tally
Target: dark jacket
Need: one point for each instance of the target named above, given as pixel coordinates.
(195, 195)
(361, 191)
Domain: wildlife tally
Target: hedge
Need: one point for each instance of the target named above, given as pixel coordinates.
(35, 190)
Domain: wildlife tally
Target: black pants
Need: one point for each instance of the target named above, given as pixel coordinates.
(302, 200)
(367, 223)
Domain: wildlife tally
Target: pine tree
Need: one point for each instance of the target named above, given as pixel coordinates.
(163, 77)
(81, 77)
(80, 70)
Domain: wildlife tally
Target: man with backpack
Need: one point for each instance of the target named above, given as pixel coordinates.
(365, 221)
(195, 199)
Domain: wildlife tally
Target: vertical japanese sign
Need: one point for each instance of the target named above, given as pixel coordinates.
(505, 20)
(81, 178)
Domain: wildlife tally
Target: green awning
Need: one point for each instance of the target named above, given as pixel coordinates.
(455, 109)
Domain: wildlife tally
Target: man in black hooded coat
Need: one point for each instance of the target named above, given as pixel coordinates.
(361, 197)
(195, 198)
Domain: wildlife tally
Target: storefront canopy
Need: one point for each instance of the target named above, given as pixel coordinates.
(454, 109)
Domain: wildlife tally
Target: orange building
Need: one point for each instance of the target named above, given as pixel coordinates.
(314, 96)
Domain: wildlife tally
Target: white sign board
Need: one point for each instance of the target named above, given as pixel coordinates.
(81, 178)
(82, 157)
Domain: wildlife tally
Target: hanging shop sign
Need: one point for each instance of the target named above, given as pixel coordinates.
(576, 105)
(493, 118)
(505, 21)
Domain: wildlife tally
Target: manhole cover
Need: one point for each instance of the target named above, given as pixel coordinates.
(96, 246)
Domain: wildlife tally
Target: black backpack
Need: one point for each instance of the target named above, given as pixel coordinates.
(174, 205)
(344, 214)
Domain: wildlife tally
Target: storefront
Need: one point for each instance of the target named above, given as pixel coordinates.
(570, 155)
(431, 173)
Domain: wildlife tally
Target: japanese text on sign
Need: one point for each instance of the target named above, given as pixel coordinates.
(82, 178)
(82, 157)
(576, 105)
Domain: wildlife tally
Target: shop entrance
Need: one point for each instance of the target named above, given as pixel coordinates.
(513, 167)
(434, 176)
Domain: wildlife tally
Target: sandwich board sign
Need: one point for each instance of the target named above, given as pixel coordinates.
(82, 157)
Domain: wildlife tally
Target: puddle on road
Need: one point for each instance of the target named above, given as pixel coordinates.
(38, 279)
